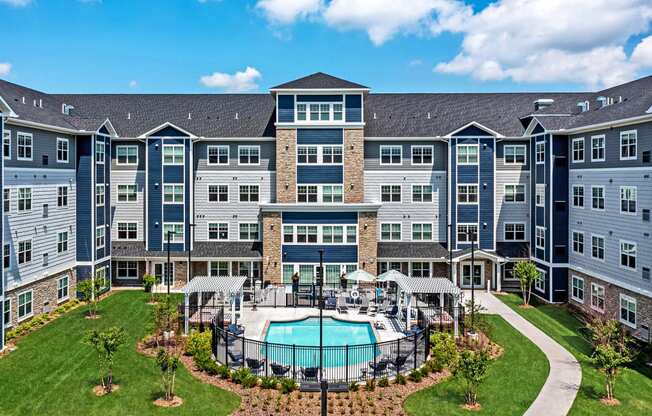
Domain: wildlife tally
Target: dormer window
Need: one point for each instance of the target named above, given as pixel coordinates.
(320, 112)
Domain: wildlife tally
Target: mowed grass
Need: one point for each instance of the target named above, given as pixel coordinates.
(512, 384)
(52, 372)
(634, 385)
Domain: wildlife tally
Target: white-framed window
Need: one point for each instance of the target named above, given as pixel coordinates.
(331, 155)
(288, 234)
(540, 239)
(390, 232)
(628, 310)
(218, 193)
(217, 154)
(577, 289)
(320, 111)
(597, 297)
(578, 196)
(307, 155)
(597, 247)
(46, 210)
(597, 198)
(6, 312)
(420, 269)
(302, 111)
(307, 193)
(422, 155)
(540, 197)
(514, 194)
(24, 146)
(628, 199)
(99, 195)
(62, 242)
(24, 251)
(249, 155)
(467, 194)
(332, 193)
(467, 233)
(332, 234)
(127, 231)
(127, 193)
(515, 154)
(391, 154)
(173, 154)
(390, 193)
(99, 237)
(100, 276)
(249, 193)
(63, 150)
(99, 152)
(578, 242)
(6, 256)
(597, 148)
(249, 232)
(540, 152)
(219, 268)
(126, 155)
(514, 231)
(62, 196)
(467, 154)
(578, 150)
(421, 232)
(307, 234)
(173, 193)
(25, 305)
(627, 255)
(218, 231)
(62, 289)
(24, 199)
(421, 193)
(175, 231)
(6, 144)
(628, 144)
(126, 270)
(6, 200)
(540, 281)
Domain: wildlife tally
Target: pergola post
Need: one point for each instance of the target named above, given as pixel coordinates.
(455, 274)
(456, 317)
(186, 317)
(241, 303)
(232, 296)
(408, 318)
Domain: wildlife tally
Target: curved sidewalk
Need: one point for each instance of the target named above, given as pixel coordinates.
(559, 391)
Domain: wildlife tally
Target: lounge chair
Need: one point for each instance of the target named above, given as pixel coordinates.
(378, 369)
(393, 312)
(341, 306)
(279, 370)
(236, 359)
(310, 373)
(330, 303)
(399, 362)
(255, 365)
(236, 329)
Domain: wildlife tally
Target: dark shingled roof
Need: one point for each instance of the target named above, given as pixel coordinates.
(319, 80)
(202, 249)
(513, 249)
(411, 250)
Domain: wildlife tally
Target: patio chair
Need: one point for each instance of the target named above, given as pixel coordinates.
(236, 329)
(330, 303)
(279, 370)
(255, 365)
(393, 312)
(364, 306)
(310, 373)
(399, 361)
(378, 369)
(236, 359)
(341, 306)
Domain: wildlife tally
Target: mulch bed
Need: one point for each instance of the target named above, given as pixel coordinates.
(99, 390)
(175, 402)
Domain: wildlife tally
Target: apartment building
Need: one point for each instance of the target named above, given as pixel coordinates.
(259, 184)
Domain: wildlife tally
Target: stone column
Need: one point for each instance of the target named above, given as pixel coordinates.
(353, 158)
(272, 247)
(367, 242)
(286, 165)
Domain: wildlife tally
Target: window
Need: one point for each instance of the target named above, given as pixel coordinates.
(320, 111)
(540, 237)
(514, 231)
(249, 155)
(24, 141)
(288, 234)
(99, 152)
(99, 195)
(597, 297)
(467, 233)
(175, 232)
(218, 193)
(577, 289)
(219, 268)
(515, 194)
(628, 199)
(100, 276)
(127, 193)
(63, 146)
(25, 305)
(578, 150)
(390, 155)
(6, 256)
(24, 199)
(62, 242)
(332, 234)
(62, 289)
(307, 193)
(99, 237)
(126, 155)
(332, 155)
(62, 196)
(218, 231)
(597, 148)
(467, 194)
(597, 197)
(249, 193)
(390, 232)
(540, 281)
(173, 194)
(420, 269)
(597, 247)
(249, 231)
(421, 193)
(390, 193)
(332, 193)
(351, 234)
(540, 152)
(307, 155)
(338, 112)
(422, 155)
(628, 310)
(6, 311)
(628, 255)
(578, 242)
(173, 154)
(540, 197)
(127, 270)
(6, 200)
(421, 232)
(46, 210)
(24, 251)
(301, 112)
(217, 155)
(6, 144)
(306, 233)
(628, 145)
(515, 154)
(578, 196)
(127, 231)
(467, 154)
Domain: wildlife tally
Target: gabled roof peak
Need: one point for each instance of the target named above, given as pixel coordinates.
(320, 81)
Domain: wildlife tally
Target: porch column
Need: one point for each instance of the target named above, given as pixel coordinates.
(493, 276)
(241, 303)
(456, 316)
(455, 274)
(499, 278)
(232, 296)
(408, 318)
(186, 307)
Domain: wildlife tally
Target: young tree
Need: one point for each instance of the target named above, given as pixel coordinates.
(168, 362)
(149, 280)
(90, 289)
(611, 351)
(471, 369)
(527, 273)
(164, 317)
(106, 345)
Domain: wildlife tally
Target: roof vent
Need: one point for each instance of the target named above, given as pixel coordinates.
(40, 103)
(66, 108)
(128, 116)
(377, 117)
(605, 101)
(236, 116)
(22, 100)
(542, 103)
(428, 115)
(583, 106)
(189, 116)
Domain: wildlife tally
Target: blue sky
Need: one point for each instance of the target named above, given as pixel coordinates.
(417, 45)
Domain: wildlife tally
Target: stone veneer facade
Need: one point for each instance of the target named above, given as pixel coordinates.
(272, 227)
(286, 166)
(353, 159)
(368, 241)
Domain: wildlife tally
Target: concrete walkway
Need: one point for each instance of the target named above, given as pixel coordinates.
(559, 391)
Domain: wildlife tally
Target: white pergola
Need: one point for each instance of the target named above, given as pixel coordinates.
(226, 285)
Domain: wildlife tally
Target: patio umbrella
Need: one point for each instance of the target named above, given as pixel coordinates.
(361, 276)
(390, 276)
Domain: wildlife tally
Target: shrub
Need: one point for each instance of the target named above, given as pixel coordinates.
(353, 386)
(269, 383)
(106, 345)
(224, 372)
(471, 369)
(169, 364)
(249, 381)
(240, 374)
(199, 347)
(415, 376)
(211, 367)
(400, 379)
(370, 384)
(288, 385)
(443, 350)
(383, 382)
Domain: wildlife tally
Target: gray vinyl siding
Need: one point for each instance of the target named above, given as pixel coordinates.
(132, 211)
(43, 143)
(372, 155)
(114, 155)
(267, 155)
(232, 212)
(42, 231)
(611, 224)
(406, 212)
(500, 155)
(511, 212)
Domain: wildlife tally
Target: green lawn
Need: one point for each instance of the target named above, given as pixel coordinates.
(634, 385)
(52, 372)
(513, 382)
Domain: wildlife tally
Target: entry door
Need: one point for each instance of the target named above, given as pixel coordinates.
(161, 275)
(478, 274)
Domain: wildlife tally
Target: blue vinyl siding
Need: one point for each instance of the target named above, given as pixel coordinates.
(319, 98)
(320, 136)
(154, 195)
(320, 218)
(467, 174)
(472, 131)
(309, 253)
(546, 293)
(173, 246)
(453, 192)
(173, 213)
(168, 132)
(467, 213)
(85, 229)
(173, 174)
(107, 196)
(320, 174)
(559, 204)
(2, 289)
(353, 108)
(487, 194)
(187, 201)
(560, 284)
(286, 108)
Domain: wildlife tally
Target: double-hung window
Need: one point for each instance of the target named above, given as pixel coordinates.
(173, 154)
(24, 251)
(175, 230)
(62, 196)
(99, 195)
(25, 305)
(540, 197)
(6, 200)
(422, 155)
(62, 289)
(578, 150)
(62, 242)
(307, 155)
(467, 154)
(24, 149)
(332, 234)
(127, 270)
(628, 199)
(515, 194)
(577, 289)
(24, 199)
(63, 150)
(628, 145)
(288, 234)
(597, 197)
(390, 232)
(597, 297)
(302, 111)
(467, 233)
(218, 193)
(578, 196)
(467, 194)
(307, 193)
(597, 148)
(127, 193)
(6, 144)
(422, 232)
(249, 231)
(249, 155)
(249, 193)
(173, 193)
(391, 155)
(390, 193)
(540, 152)
(597, 247)
(307, 234)
(540, 281)
(99, 152)
(99, 237)
(514, 231)
(218, 231)
(628, 255)
(628, 310)
(217, 155)
(540, 237)
(578, 242)
(126, 155)
(127, 231)
(332, 193)
(6, 256)
(332, 155)
(515, 154)
(421, 193)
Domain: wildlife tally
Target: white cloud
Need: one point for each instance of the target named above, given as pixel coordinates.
(5, 69)
(642, 54)
(133, 83)
(240, 81)
(16, 3)
(283, 12)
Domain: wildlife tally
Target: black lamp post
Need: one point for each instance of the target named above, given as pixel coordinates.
(323, 383)
(167, 268)
(472, 236)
